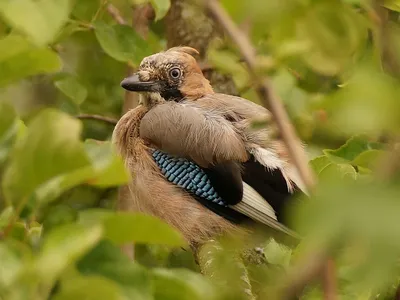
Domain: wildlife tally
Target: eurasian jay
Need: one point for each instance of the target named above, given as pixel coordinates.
(195, 157)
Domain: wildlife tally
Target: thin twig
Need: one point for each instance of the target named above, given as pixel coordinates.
(270, 99)
(99, 10)
(98, 118)
(304, 273)
(329, 285)
(115, 14)
(267, 95)
(142, 15)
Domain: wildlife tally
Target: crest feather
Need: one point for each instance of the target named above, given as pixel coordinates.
(185, 49)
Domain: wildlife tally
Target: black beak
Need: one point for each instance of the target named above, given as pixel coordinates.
(134, 84)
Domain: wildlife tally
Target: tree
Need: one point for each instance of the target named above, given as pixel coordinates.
(334, 65)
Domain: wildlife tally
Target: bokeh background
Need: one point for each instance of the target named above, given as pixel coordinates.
(334, 64)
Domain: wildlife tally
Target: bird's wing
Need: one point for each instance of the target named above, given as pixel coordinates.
(197, 182)
(206, 138)
(187, 131)
(259, 141)
(268, 170)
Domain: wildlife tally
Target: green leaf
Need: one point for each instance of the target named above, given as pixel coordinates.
(121, 42)
(333, 32)
(49, 150)
(228, 63)
(72, 88)
(351, 150)
(8, 129)
(338, 172)
(160, 7)
(19, 59)
(11, 266)
(107, 260)
(368, 158)
(392, 5)
(182, 285)
(109, 167)
(124, 227)
(5, 216)
(63, 246)
(90, 288)
(368, 104)
(40, 20)
(277, 254)
(319, 163)
(357, 218)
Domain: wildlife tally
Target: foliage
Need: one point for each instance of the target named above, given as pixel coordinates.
(335, 65)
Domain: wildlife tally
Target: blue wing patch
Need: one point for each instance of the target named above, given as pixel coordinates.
(187, 175)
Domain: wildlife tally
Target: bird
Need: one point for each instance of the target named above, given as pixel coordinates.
(196, 159)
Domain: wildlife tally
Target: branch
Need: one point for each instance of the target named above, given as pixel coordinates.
(267, 95)
(142, 15)
(115, 14)
(304, 272)
(270, 99)
(98, 118)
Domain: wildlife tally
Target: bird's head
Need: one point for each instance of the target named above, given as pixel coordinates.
(171, 76)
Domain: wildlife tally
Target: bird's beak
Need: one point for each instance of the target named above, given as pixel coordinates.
(134, 84)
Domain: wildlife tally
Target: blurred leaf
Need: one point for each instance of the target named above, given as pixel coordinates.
(107, 260)
(124, 227)
(59, 215)
(11, 266)
(334, 32)
(277, 254)
(392, 5)
(161, 8)
(63, 246)
(8, 129)
(368, 158)
(85, 10)
(72, 88)
(368, 104)
(46, 17)
(19, 59)
(361, 215)
(319, 163)
(90, 288)
(18, 231)
(181, 284)
(121, 42)
(354, 147)
(228, 63)
(110, 168)
(53, 160)
(5, 216)
(338, 171)
(50, 149)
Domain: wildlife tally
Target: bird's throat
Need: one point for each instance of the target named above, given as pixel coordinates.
(172, 94)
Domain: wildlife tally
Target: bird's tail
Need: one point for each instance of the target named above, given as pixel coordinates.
(257, 208)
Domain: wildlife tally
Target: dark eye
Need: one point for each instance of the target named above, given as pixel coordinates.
(175, 73)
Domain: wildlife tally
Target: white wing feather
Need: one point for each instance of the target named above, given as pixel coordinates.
(257, 208)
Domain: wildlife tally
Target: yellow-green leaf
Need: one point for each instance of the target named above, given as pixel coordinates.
(124, 227)
(40, 20)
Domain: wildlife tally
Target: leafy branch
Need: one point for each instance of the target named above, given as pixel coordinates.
(271, 100)
(104, 119)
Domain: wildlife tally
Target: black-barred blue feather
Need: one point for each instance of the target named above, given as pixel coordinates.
(187, 175)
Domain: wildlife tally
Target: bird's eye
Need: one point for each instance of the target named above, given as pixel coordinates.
(175, 73)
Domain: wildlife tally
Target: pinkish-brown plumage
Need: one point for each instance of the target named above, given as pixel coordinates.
(181, 115)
